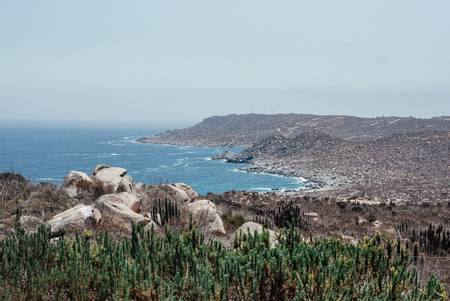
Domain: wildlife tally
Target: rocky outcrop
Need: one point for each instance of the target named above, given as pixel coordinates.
(231, 157)
(183, 192)
(128, 199)
(75, 217)
(117, 209)
(206, 218)
(252, 227)
(112, 179)
(78, 179)
(179, 192)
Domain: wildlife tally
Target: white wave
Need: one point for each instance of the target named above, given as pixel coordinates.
(180, 161)
(71, 154)
(261, 188)
(47, 179)
(238, 170)
(301, 180)
(151, 169)
(132, 139)
(135, 141)
(103, 155)
(115, 143)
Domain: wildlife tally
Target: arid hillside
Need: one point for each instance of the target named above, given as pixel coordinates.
(405, 167)
(248, 129)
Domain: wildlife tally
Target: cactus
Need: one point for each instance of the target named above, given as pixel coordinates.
(183, 266)
(165, 212)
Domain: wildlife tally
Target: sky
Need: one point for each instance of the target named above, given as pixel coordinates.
(178, 61)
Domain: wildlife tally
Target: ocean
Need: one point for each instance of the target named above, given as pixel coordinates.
(47, 155)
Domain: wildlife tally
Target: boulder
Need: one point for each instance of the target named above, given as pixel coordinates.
(206, 217)
(252, 227)
(377, 224)
(118, 210)
(184, 192)
(314, 216)
(112, 179)
(71, 191)
(362, 220)
(349, 239)
(129, 199)
(78, 179)
(139, 187)
(76, 216)
(30, 223)
(151, 225)
(179, 193)
(99, 167)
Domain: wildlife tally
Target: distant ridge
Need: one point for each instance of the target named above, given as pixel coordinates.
(247, 129)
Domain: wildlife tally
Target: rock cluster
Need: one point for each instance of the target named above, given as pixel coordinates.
(112, 179)
(121, 203)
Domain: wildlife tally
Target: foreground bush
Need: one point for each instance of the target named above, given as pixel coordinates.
(180, 266)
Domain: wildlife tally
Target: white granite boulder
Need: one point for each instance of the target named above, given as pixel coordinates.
(118, 210)
(252, 227)
(77, 217)
(206, 217)
(78, 179)
(112, 179)
(184, 192)
(129, 199)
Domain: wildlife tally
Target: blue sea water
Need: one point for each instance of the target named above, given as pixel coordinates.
(47, 155)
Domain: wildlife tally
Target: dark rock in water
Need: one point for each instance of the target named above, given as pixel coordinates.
(226, 155)
(231, 157)
(240, 159)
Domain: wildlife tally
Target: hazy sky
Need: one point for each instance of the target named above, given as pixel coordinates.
(180, 61)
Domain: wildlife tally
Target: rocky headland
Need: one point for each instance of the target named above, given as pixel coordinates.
(386, 158)
(247, 129)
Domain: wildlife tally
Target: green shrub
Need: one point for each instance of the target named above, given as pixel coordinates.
(182, 266)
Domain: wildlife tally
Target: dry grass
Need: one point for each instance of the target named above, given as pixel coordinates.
(19, 195)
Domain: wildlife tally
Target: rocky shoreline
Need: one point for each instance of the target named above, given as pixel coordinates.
(410, 167)
(317, 180)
